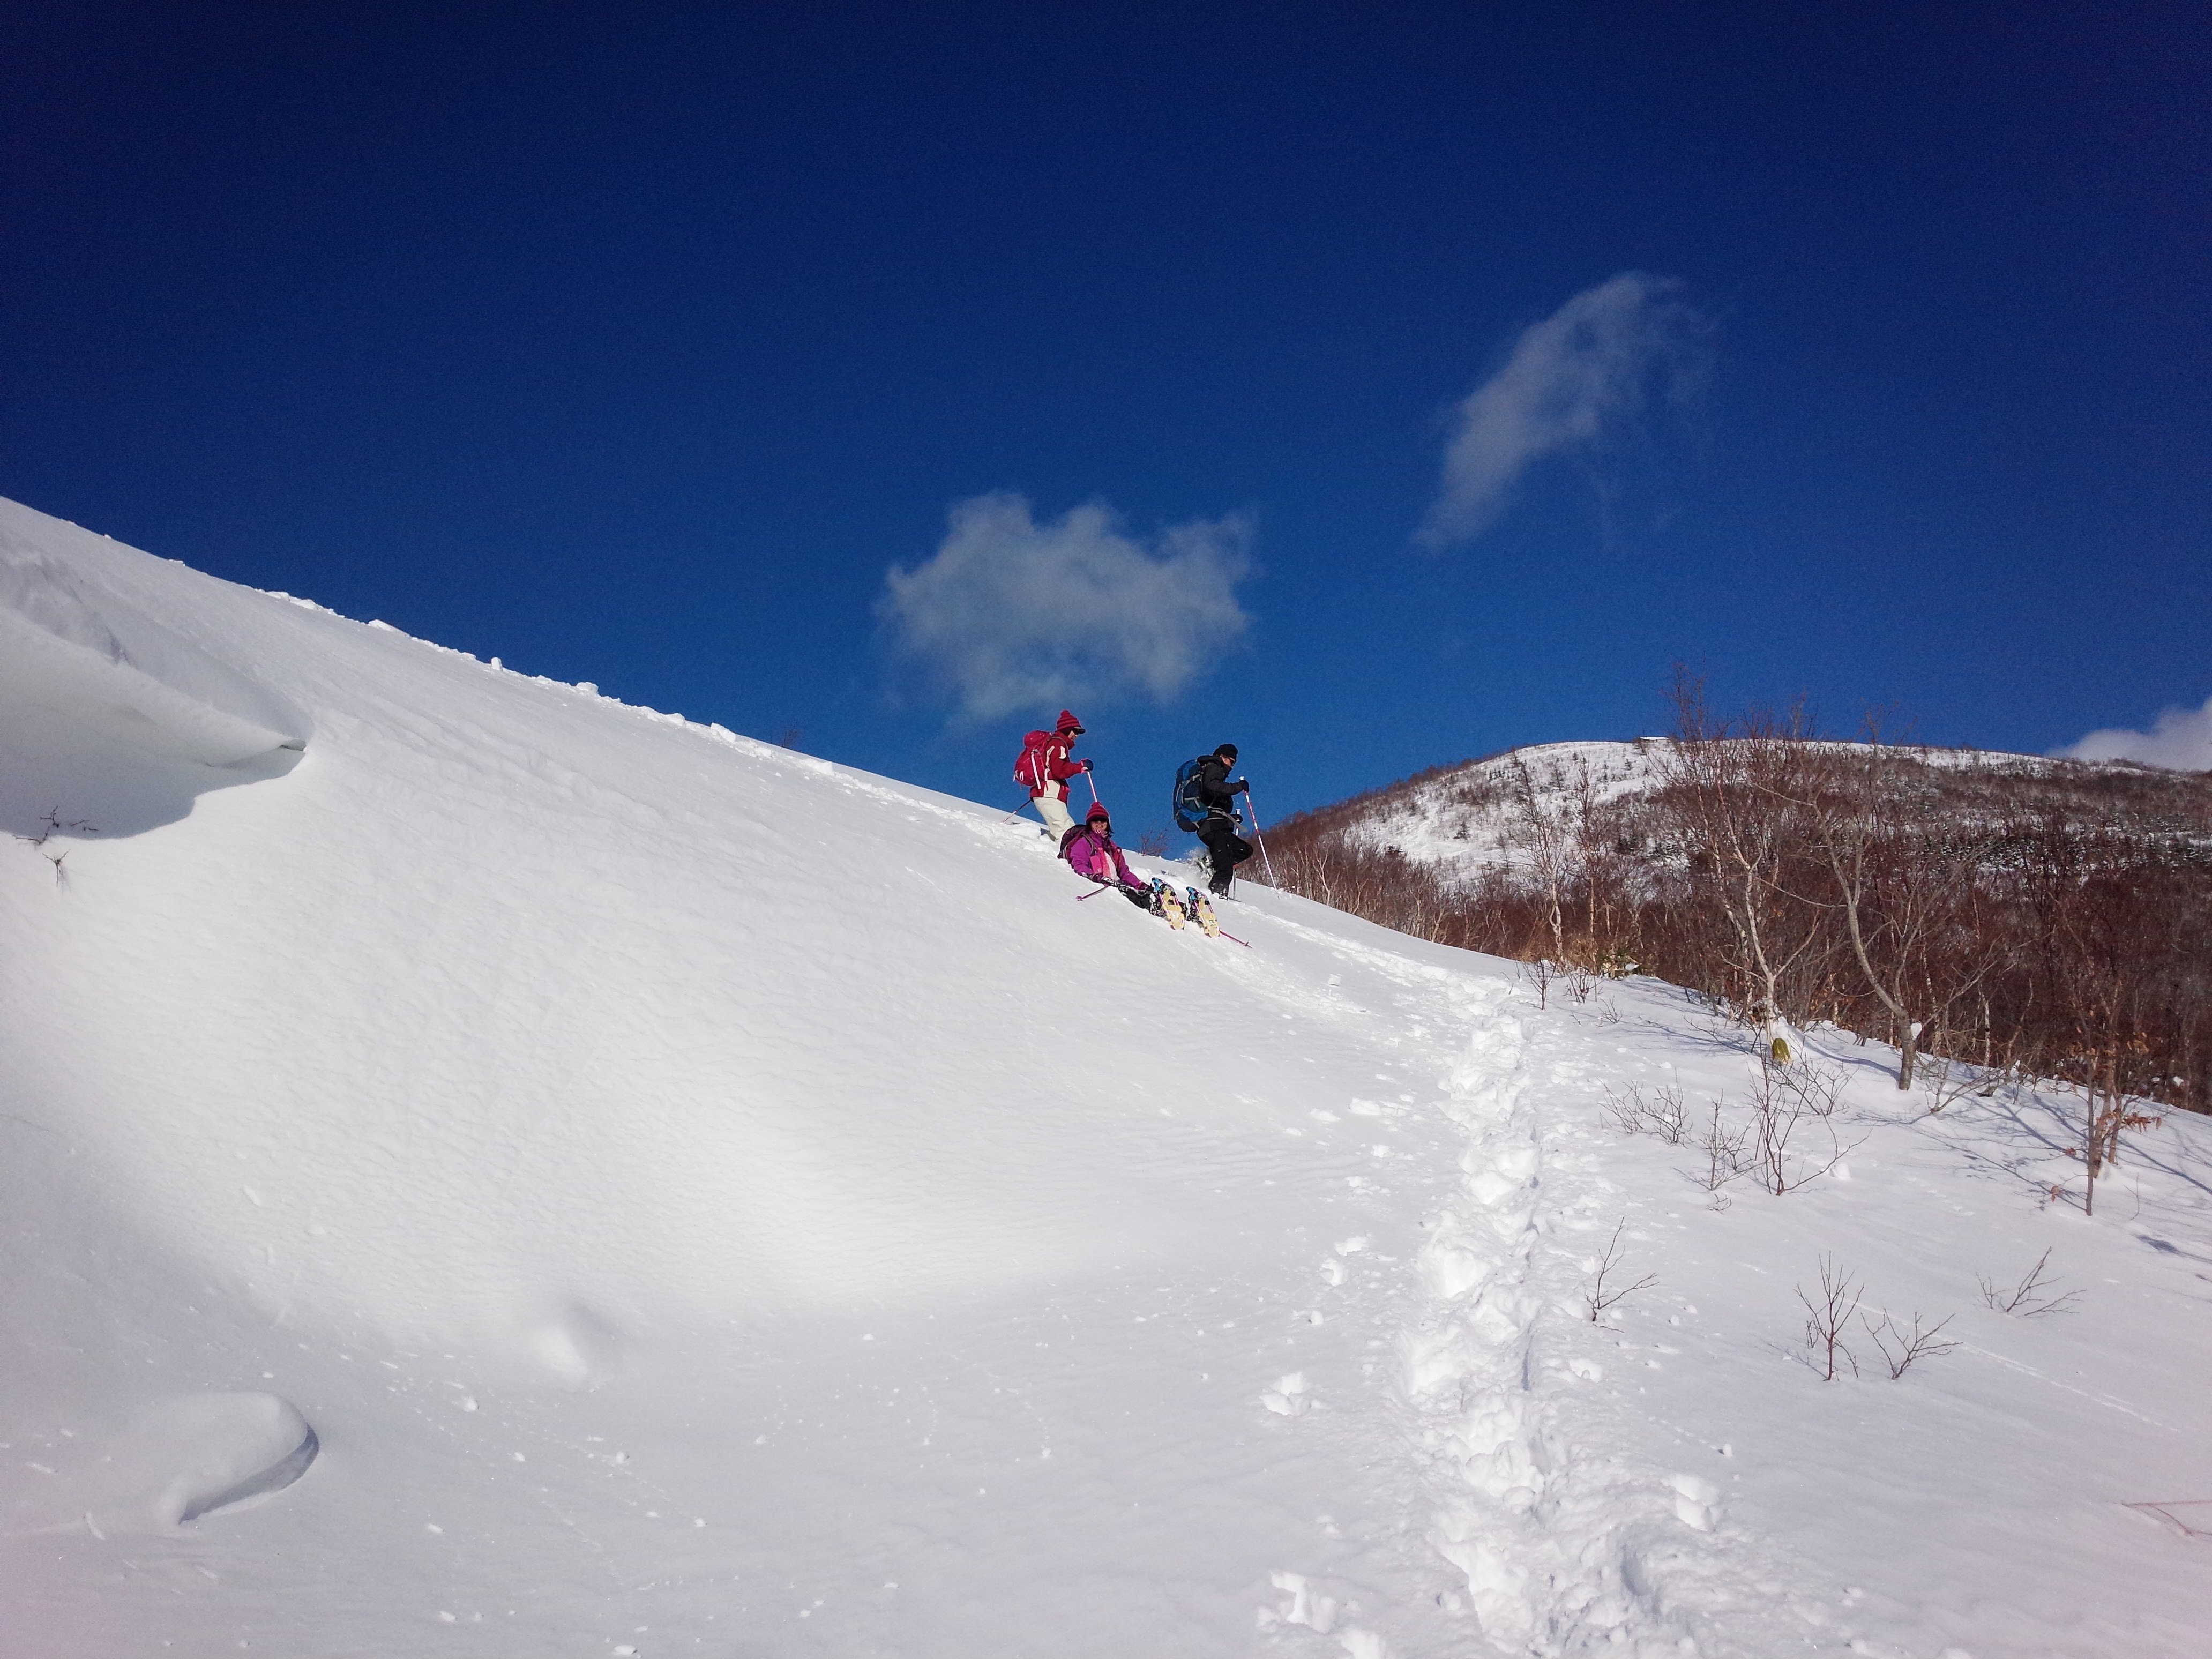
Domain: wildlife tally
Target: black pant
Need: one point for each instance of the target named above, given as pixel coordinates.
(1225, 850)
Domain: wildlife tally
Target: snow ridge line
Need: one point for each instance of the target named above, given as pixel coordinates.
(1467, 1360)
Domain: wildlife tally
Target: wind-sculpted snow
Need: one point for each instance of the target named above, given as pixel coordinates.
(128, 714)
(707, 1199)
(72, 644)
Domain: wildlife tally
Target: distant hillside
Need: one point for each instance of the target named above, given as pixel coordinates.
(2038, 913)
(1467, 817)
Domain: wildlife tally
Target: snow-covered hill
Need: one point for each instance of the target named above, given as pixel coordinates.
(492, 1170)
(1464, 820)
(1461, 820)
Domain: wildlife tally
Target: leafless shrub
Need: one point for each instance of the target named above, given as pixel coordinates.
(1904, 1346)
(1661, 1112)
(1827, 1317)
(50, 826)
(1722, 1143)
(1597, 1295)
(1153, 843)
(1784, 1100)
(1579, 981)
(1949, 1081)
(1540, 973)
(1819, 1088)
(2031, 1298)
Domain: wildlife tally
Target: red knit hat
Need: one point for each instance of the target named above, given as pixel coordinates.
(1068, 722)
(1097, 811)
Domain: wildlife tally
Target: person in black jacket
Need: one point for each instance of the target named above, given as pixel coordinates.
(1224, 848)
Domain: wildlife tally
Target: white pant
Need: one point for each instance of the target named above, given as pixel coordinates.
(1053, 811)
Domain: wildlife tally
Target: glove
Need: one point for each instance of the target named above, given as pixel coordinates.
(1243, 787)
(1085, 764)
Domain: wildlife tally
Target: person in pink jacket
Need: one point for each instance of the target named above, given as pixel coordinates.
(1091, 854)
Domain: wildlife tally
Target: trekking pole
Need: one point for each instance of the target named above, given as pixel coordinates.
(1017, 813)
(1092, 894)
(1091, 787)
(1265, 860)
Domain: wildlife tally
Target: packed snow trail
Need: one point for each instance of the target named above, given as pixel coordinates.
(686, 1221)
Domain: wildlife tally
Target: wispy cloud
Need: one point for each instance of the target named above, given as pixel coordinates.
(1013, 614)
(1583, 375)
(2179, 737)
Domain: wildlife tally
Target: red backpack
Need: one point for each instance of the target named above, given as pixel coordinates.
(1029, 770)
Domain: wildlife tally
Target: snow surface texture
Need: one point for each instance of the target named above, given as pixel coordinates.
(705, 1201)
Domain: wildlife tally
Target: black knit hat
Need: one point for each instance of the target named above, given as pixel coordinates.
(1227, 751)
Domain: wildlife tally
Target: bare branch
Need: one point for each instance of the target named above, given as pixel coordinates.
(2032, 1297)
(1596, 1294)
(1903, 1346)
(1661, 1113)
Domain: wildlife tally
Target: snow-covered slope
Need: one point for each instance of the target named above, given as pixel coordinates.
(1470, 818)
(1460, 819)
(491, 1171)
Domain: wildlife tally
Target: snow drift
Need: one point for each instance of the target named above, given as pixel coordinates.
(687, 1197)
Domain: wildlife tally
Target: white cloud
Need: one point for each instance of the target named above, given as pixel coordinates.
(1017, 614)
(2179, 737)
(1581, 374)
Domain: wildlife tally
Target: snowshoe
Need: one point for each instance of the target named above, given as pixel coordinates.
(1202, 911)
(1170, 903)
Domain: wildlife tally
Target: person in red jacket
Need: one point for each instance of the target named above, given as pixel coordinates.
(1046, 767)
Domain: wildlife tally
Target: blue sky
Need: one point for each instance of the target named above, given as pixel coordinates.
(1275, 362)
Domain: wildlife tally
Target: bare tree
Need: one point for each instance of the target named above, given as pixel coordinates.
(1597, 1295)
(1737, 791)
(1898, 895)
(2102, 932)
(1828, 1316)
(1546, 837)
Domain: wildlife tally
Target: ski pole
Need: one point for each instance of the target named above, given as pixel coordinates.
(1233, 939)
(1092, 894)
(1091, 787)
(1264, 860)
